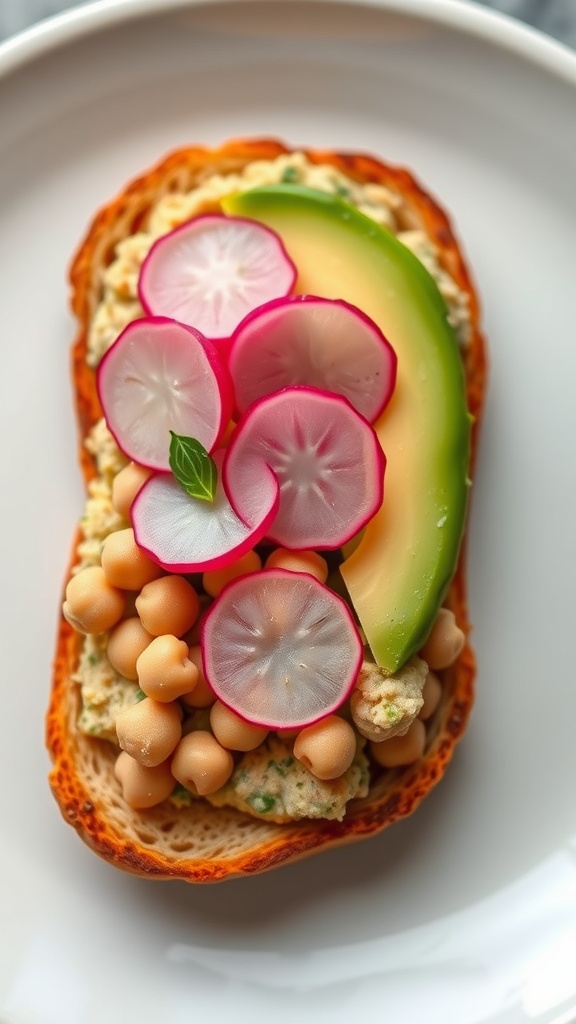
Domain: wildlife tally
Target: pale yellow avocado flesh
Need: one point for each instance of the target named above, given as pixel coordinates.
(398, 575)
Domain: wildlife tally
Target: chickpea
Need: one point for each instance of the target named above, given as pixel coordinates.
(168, 605)
(125, 564)
(164, 670)
(431, 692)
(125, 645)
(143, 787)
(202, 696)
(126, 485)
(401, 750)
(326, 748)
(149, 731)
(92, 604)
(445, 642)
(234, 732)
(299, 561)
(215, 580)
(201, 764)
(192, 637)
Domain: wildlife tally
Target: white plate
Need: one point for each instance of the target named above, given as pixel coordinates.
(467, 911)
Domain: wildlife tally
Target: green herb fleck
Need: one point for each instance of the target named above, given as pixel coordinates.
(192, 466)
(181, 791)
(325, 810)
(140, 695)
(180, 796)
(342, 191)
(261, 802)
(93, 659)
(392, 713)
(280, 767)
(289, 176)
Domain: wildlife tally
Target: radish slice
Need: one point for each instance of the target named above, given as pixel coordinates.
(185, 534)
(159, 376)
(211, 271)
(326, 343)
(326, 458)
(280, 649)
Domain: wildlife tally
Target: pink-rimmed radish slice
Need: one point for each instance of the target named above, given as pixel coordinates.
(185, 534)
(327, 460)
(280, 649)
(325, 343)
(211, 271)
(161, 376)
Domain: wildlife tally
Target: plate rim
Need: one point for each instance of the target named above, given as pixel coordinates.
(466, 16)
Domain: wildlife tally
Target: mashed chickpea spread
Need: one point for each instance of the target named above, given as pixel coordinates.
(268, 781)
(119, 305)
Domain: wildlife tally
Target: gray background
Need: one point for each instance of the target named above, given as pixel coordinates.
(556, 18)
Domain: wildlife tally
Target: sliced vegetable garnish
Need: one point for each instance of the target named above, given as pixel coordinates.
(161, 376)
(211, 271)
(326, 458)
(185, 534)
(280, 649)
(325, 343)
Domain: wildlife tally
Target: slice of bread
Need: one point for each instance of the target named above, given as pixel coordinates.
(201, 843)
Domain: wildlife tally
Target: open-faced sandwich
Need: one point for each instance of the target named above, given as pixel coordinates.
(263, 649)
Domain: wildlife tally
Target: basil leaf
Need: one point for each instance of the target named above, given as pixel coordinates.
(192, 466)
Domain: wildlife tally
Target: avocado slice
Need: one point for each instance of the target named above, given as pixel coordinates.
(399, 573)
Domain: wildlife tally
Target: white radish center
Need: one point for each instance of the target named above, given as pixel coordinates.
(158, 377)
(280, 648)
(326, 459)
(186, 534)
(212, 271)
(324, 343)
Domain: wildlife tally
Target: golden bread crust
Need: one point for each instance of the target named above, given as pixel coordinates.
(201, 843)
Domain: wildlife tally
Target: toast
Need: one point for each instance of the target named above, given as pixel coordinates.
(194, 840)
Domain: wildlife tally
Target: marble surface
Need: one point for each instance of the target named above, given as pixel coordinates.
(556, 18)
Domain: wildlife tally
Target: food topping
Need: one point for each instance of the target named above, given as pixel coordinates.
(326, 748)
(164, 669)
(327, 344)
(143, 787)
(233, 732)
(214, 270)
(124, 562)
(223, 653)
(382, 705)
(326, 460)
(215, 580)
(397, 576)
(445, 641)
(126, 643)
(92, 604)
(202, 696)
(125, 487)
(270, 783)
(201, 764)
(299, 561)
(280, 649)
(402, 749)
(184, 534)
(168, 605)
(161, 378)
(149, 731)
(431, 694)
